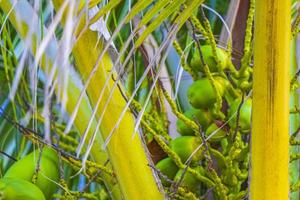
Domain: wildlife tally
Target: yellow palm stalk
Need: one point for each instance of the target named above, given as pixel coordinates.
(270, 117)
(126, 153)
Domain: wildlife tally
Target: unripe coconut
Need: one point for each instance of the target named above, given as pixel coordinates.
(204, 118)
(184, 146)
(218, 136)
(25, 169)
(168, 168)
(18, 189)
(189, 181)
(202, 95)
(245, 115)
(209, 59)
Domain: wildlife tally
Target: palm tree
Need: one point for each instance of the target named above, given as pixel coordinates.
(143, 100)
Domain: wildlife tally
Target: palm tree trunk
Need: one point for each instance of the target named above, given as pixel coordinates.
(270, 144)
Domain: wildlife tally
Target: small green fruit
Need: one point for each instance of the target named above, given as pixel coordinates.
(203, 117)
(168, 168)
(18, 189)
(189, 181)
(218, 136)
(245, 115)
(209, 59)
(201, 93)
(25, 169)
(184, 146)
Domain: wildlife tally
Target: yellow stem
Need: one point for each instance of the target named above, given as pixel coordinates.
(270, 116)
(126, 153)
